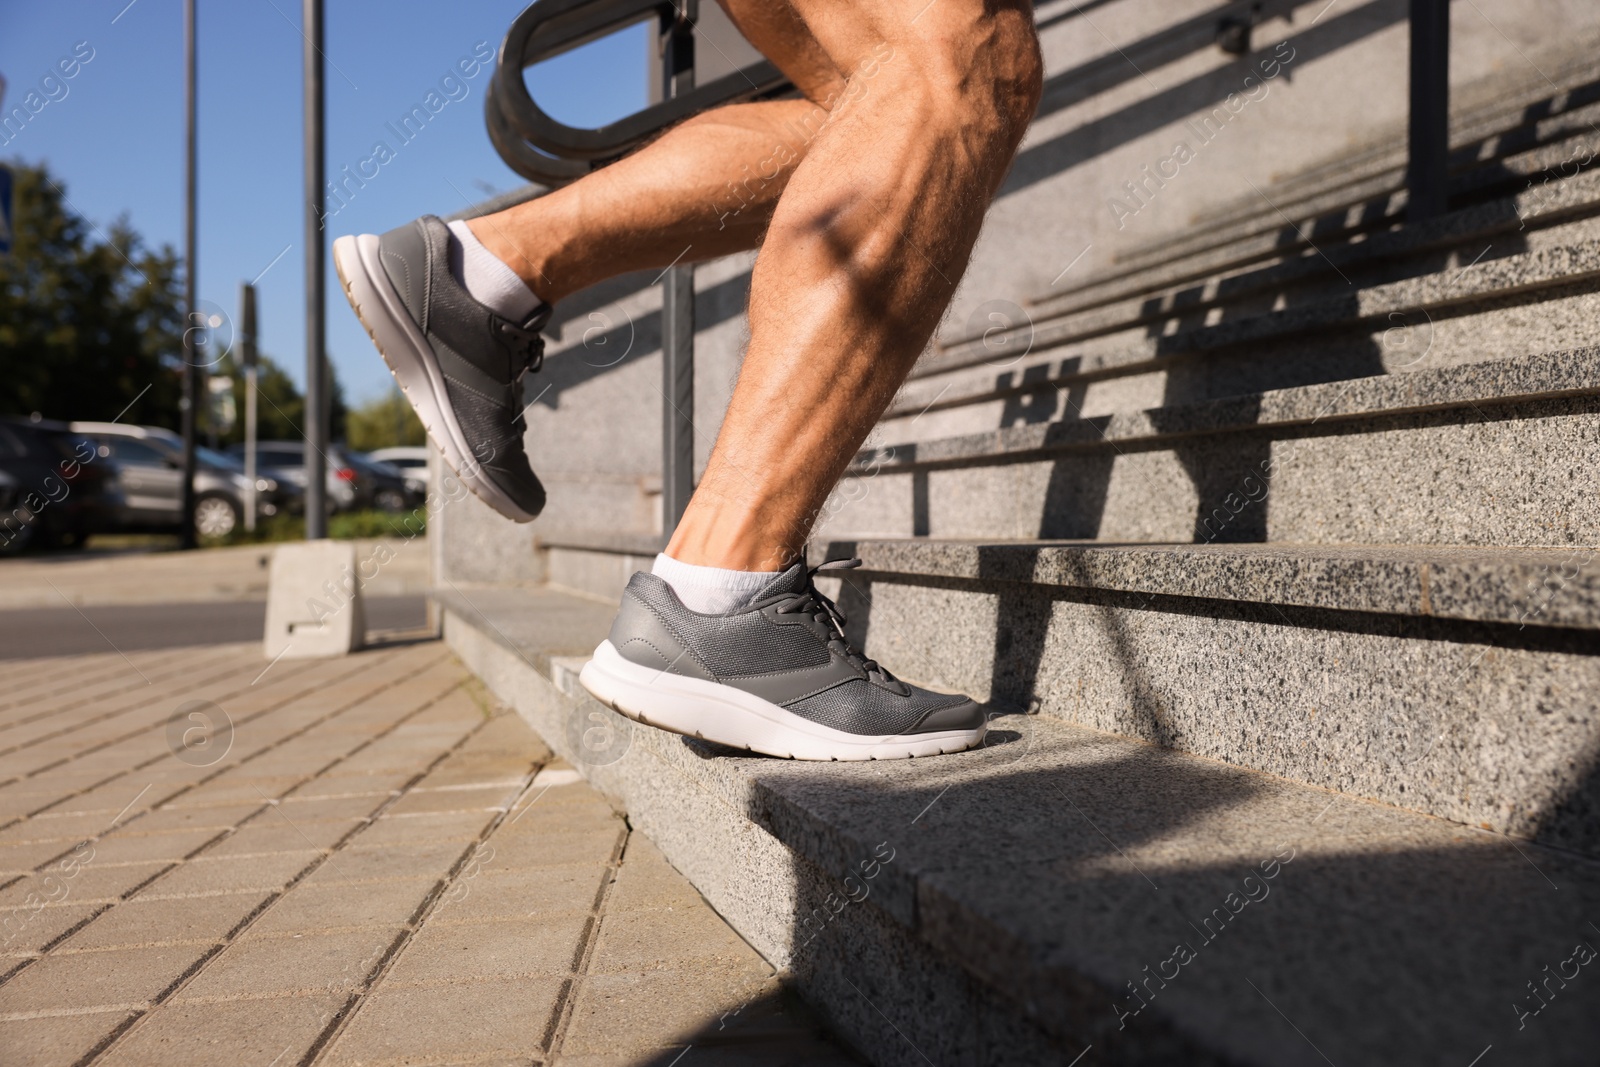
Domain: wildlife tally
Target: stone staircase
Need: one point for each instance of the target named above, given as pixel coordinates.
(1273, 549)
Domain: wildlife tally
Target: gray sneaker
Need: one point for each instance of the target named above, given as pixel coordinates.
(776, 677)
(459, 363)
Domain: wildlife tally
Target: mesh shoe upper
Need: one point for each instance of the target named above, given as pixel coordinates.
(481, 355)
(788, 647)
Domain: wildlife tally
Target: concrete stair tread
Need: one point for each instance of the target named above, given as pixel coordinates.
(1558, 267)
(1055, 864)
(1510, 586)
(1378, 201)
(1537, 207)
(1470, 386)
(1504, 128)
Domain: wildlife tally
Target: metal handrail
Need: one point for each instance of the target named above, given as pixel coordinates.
(546, 150)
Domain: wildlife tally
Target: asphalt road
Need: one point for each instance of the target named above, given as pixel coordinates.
(28, 633)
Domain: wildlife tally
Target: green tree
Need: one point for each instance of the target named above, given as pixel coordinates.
(90, 321)
(383, 422)
(280, 409)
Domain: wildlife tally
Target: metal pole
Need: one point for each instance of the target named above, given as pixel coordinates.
(192, 320)
(1429, 177)
(316, 413)
(677, 314)
(247, 356)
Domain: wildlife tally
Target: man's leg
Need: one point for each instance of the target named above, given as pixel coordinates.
(456, 310)
(705, 188)
(865, 248)
(864, 251)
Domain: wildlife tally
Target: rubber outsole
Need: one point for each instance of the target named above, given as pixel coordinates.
(732, 717)
(410, 359)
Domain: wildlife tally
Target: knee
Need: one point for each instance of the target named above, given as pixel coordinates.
(984, 71)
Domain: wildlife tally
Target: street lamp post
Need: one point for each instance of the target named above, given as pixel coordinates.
(316, 416)
(192, 317)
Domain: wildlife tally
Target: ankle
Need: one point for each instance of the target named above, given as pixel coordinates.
(529, 262)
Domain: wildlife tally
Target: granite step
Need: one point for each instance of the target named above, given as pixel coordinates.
(1067, 896)
(1536, 214)
(1488, 453)
(1492, 117)
(1534, 267)
(1285, 229)
(1453, 680)
(1368, 202)
(1164, 348)
(1508, 126)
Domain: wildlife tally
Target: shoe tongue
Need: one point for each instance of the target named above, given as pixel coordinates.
(789, 581)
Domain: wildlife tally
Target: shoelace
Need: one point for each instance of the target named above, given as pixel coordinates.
(527, 348)
(527, 345)
(810, 600)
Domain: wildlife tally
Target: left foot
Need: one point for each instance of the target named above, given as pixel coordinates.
(776, 676)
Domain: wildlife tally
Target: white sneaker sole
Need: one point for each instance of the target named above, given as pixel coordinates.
(412, 362)
(729, 716)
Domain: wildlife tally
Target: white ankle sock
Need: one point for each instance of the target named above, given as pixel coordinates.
(486, 277)
(710, 590)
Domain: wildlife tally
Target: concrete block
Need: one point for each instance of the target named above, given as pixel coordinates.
(477, 1022)
(243, 1031)
(314, 601)
(50, 1040)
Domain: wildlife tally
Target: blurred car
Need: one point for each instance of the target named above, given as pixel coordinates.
(411, 459)
(55, 488)
(151, 463)
(393, 489)
(352, 482)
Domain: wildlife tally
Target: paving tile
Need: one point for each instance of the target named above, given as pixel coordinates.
(68, 828)
(273, 831)
(219, 816)
(342, 784)
(638, 1012)
(88, 979)
(668, 937)
(311, 809)
(227, 874)
(537, 816)
(53, 1041)
(307, 907)
(431, 826)
(480, 798)
(231, 789)
(27, 930)
(22, 859)
(514, 852)
(522, 894)
(143, 922)
(134, 848)
(356, 864)
(91, 883)
(279, 1030)
(306, 963)
(466, 1022)
(504, 948)
(647, 880)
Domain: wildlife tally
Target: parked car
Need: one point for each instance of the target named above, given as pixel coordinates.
(55, 488)
(411, 459)
(352, 482)
(392, 490)
(151, 463)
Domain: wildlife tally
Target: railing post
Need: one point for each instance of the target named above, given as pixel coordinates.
(677, 309)
(1428, 179)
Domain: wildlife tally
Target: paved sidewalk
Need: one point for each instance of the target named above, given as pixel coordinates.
(355, 861)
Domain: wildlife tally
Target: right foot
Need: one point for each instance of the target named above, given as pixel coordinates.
(776, 676)
(459, 363)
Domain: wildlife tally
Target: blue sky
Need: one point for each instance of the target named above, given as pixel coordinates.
(115, 139)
